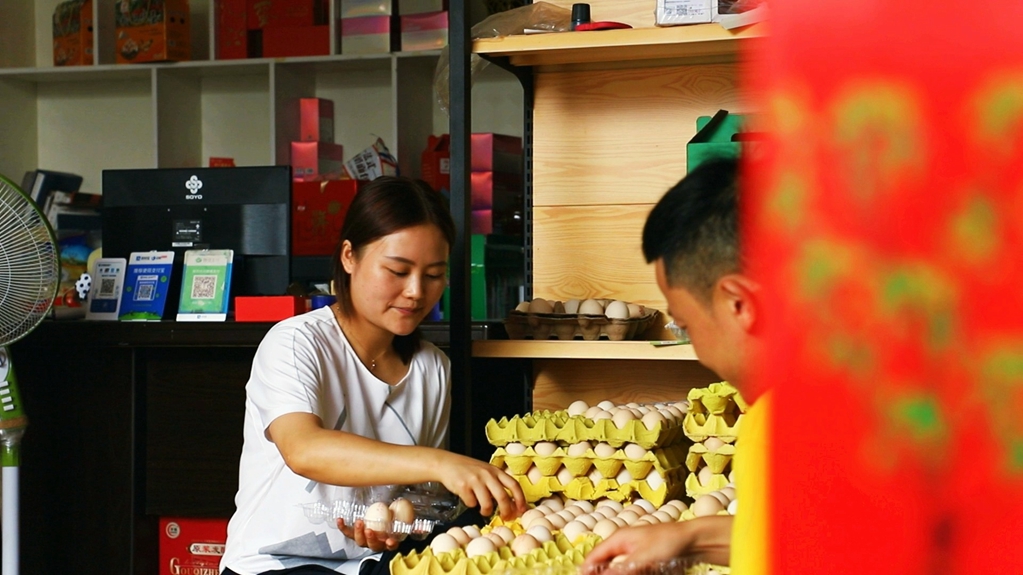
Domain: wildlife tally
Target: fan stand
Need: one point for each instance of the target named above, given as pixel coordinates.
(11, 431)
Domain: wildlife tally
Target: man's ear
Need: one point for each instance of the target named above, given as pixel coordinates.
(347, 257)
(738, 295)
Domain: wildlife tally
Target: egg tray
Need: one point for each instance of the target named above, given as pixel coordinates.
(716, 460)
(695, 489)
(659, 459)
(672, 487)
(560, 427)
(553, 554)
(714, 411)
(564, 326)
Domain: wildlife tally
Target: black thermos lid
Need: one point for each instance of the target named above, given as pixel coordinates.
(580, 14)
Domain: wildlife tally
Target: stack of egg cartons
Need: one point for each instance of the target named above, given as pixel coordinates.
(712, 423)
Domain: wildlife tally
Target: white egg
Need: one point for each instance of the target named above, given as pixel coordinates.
(602, 415)
(594, 410)
(504, 533)
(713, 443)
(605, 528)
(515, 448)
(544, 522)
(678, 505)
(480, 546)
(623, 476)
(578, 407)
(628, 516)
(620, 522)
(554, 502)
(605, 512)
(623, 418)
(540, 533)
(705, 476)
(720, 497)
(579, 449)
(534, 474)
(604, 450)
(378, 517)
(676, 414)
(671, 511)
(572, 306)
(635, 451)
(588, 520)
(606, 404)
(635, 310)
(617, 506)
(731, 476)
(567, 514)
(662, 516)
(540, 305)
(556, 521)
(590, 307)
(617, 309)
(443, 543)
(639, 510)
(652, 419)
(682, 406)
(472, 531)
(728, 492)
(733, 507)
(459, 535)
(706, 505)
(574, 530)
(524, 544)
(595, 476)
(654, 479)
(522, 307)
(545, 448)
(646, 520)
(649, 507)
(584, 505)
(499, 541)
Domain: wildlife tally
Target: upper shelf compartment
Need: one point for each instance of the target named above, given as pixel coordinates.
(575, 349)
(676, 44)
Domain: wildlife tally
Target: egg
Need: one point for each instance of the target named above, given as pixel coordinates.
(534, 475)
(617, 506)
(584, 505)
(713, 443)
(579, 449)
(604, 450)
(545, 448)
(569, 513)
(720, 497)
(731, 476)
(544, 522)
(595, 476)
(675, 412)
(623, 418)
(728, 492)
(459, 535)
(662, 516)
(480, 546)
(635, 451)
(635, 310)
(604, 512)
(541, 533)
(559, 307)
(524, 544)
(540, 305)
(574, 530)
(504, 533)
(564, 476)
(671, 511)
(706, 505)
(572, 306)
(591, 307)
(652, 419)
(529, 516)
(443, 543)
(639, 510)
(556, 521)
(682, 406)
(646, 520)
(606, 404)
(602, 415)
(522, 307)
(515, 448)
(588, 520)
(629, 517)
(654, 479)
(623, 476)
(472, 531)
(594, 410)
(620, 522)
(704, 476)
(578, 407)
(403, 511)
(554, 502)
(378, 517)
(648, 506)
(498, 541)
(617, 310)
(605, 528)
(678, 505)
(733, 507)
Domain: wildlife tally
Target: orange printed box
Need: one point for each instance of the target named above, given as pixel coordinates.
(72, 33)
(152, 31)
(190, 545)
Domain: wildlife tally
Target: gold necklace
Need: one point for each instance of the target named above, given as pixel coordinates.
(337, 314)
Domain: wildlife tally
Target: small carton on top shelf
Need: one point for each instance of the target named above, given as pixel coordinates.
(492, 152)
(315, 120)
(152, 32)
(73, 33)
(363, 8)
(232, 32)
(368, 35)
(406, 7)
(316, 160)
(290, 41)
(424, 31)
(285, 13)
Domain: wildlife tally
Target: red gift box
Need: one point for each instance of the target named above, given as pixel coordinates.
(190, 545)
(267, 307)
(435, 164)
(286, 41)
(317, 211)
(285, 13)
(481, 222)
(496, 153)
(232, 33)
(316, 120)
(316, 160)
(495, 190)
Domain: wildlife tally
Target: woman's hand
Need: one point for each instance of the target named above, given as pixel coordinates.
(482, 484)
(705, 539)
(366, 537)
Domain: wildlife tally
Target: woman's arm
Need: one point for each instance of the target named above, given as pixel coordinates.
(704, 539)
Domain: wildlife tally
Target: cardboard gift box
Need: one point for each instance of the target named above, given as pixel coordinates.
(285, 13)
(232, 32)
(316, 160)
(286, 41)
(317, 211)
(316, 120)
(189, 545)
(152, 31)
(363, 8)
(424, 31)
(368, 35)
(73, 33)
(268, 308)
(495, 190)
(496, 153)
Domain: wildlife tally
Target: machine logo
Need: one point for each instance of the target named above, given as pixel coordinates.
(193, 185)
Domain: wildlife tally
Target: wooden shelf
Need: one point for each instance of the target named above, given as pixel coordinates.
(676, 44)
(557, 349)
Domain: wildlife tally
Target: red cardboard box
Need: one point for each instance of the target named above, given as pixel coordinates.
(316, 120)
(317, 211)
(424, 31)
(190, 545)
(285, 13)
(482, 221)
(496, 153)
(72, 33)
(232, 32)
(267, 307)
(316, 160)
(152, 31)
(285, 41)
(495, 190)
(435, 164)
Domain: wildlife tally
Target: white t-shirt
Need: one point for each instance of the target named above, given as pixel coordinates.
(304, 364)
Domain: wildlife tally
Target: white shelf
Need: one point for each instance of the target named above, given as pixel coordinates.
(573, 349)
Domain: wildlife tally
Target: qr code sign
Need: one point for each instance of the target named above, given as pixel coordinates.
(204, 286)
(106, 288)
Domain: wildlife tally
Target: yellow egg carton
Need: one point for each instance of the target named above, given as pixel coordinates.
(714, 411)
(558, 426)
(672, 486)
(564, 326)
(717, 460)
(715, 482)
(638, 468)
(556, 553)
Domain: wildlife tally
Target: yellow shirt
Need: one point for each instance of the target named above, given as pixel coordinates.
(749, 530)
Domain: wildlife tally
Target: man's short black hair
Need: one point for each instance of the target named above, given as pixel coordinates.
(694, 228)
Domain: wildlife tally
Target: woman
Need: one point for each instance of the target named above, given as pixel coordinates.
(348, 395)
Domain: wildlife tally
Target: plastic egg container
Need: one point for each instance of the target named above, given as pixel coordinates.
(399, 511)
(649, 425)
(589, 319)
(714, 411)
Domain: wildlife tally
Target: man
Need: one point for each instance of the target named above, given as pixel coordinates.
(692, 237)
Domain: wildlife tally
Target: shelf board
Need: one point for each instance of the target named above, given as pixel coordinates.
(575, 349)
(696, 43)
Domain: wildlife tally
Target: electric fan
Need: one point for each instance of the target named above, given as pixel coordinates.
(29, 276)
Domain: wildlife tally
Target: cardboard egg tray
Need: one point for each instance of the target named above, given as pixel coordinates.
(557, 553)
(714, 411)
(660, 459)
(523, 325)
(695, 489)
(716, 460)
(672, 487)
(559, 427)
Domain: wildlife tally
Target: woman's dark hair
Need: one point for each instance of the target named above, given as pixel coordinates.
(382, 207)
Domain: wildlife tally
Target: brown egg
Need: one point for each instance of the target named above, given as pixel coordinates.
(504, 533)
(403, 511)
(529, 516)
(459, 535)
(605, 528)
(497, 539)
(540, 305)
(524, 544)
(706, 505)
